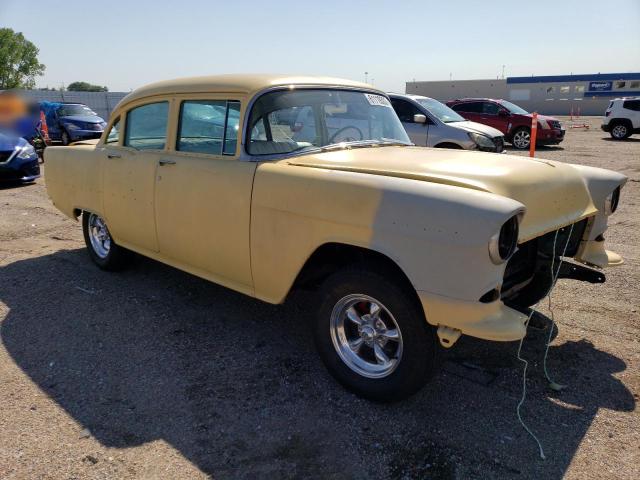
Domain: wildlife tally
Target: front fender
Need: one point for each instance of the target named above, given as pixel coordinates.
(437, 234)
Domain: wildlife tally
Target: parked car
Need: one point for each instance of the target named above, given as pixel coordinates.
(404, 245)
(622, 118)
(18, 159)
(437, 125)
(71, 122)
(514, 122)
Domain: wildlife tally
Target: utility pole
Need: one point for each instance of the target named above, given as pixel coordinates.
(366, 79)
(503, 71)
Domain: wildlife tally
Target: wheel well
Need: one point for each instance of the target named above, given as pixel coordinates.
(331, 257)
(617, 121)
(453, 146)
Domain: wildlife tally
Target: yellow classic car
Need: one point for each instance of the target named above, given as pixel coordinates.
(267, 183)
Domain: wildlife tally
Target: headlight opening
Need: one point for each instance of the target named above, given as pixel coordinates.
(504, 243)
(611, 202)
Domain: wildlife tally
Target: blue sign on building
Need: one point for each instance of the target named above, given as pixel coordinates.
(600, 86)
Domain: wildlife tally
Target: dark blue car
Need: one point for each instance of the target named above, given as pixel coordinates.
(18, 159)
(71, 122)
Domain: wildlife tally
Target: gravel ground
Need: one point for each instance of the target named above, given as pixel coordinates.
(153, 373)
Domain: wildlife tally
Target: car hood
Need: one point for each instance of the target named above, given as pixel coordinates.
(83, 118)
(554, 194)
(9, 141)
(476, 127)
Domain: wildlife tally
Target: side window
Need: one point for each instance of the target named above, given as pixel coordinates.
(231, 128)
(632, 105)
(146, 127)
(490, 108)
(469, 107)
(404, 110)
(114, 132)
(208, 126)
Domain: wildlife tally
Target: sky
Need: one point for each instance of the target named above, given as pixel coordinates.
(126, 44)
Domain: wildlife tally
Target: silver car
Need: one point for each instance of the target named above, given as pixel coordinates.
(430, 123)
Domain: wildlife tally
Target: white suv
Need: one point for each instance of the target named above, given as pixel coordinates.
(622, 118)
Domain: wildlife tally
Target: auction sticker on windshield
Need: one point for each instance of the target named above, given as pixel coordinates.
(378, 100)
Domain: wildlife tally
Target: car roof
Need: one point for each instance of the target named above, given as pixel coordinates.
(477, 99)
(408, 95)
(235, 83)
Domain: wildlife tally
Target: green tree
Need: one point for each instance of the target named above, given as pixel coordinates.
(19, 63)
(85, 87)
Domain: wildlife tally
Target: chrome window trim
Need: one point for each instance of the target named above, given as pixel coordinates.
(247, 157)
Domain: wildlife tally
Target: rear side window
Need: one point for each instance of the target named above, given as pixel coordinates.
(146, 127)
(114, 132)
(208, 126)
(632, 105)
(469, 107)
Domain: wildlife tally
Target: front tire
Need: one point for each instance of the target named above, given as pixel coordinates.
(620, 131)
(104, 252)
(65, 137)
(373, 337)
(521, 139)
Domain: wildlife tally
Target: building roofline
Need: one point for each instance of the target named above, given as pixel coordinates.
(583, 77)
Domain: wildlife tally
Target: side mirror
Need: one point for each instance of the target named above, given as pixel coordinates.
(419, 118)
(503, 113)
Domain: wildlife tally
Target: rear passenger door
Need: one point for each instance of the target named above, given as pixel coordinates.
(131, 155)
(203, 192)
(632, 111)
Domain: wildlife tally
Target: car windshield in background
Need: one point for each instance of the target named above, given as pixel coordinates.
(295, 120)
(69, 110)
(513, 108)
(440, 110)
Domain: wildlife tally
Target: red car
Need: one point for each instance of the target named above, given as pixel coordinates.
(510, 119)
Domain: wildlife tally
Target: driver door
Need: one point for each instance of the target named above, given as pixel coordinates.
(418, 132)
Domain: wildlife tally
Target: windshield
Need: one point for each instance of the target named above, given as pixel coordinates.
(513, 108)
(68, 110)
(440, 110)
(294, 120)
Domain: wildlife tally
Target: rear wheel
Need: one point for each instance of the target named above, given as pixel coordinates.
(373, 337)
(102, 249)
(620, 131)
(521, 138)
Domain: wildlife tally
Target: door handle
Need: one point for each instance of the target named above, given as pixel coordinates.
(113, 155)
(166, 162)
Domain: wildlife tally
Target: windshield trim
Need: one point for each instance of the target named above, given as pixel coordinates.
(244, 153)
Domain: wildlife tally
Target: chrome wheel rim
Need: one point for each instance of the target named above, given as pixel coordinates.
(99, 236)
(366, 336)
(521, 139)
(619, 131)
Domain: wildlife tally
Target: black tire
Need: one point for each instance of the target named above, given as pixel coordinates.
(117, 256)
(620, 130)
(523, 144)
(420, 348)
(65, 138)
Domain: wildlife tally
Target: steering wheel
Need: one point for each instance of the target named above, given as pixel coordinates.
(346, 134)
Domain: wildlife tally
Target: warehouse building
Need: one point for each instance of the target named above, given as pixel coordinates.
(587, 94)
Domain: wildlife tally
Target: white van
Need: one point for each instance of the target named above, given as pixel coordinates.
(430, 123)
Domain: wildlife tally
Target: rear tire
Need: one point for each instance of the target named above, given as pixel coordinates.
(104, 252)
(387, 353)
(65, 137)
(620, 131)
(521, 138)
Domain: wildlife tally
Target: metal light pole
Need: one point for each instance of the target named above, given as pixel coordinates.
(366, 77)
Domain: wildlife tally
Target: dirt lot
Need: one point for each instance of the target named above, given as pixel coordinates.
(153, 373)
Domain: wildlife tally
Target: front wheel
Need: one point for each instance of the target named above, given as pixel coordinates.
(521, 139)
(65, 137)
(620, 131)
(104, 252)
(373, 337)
